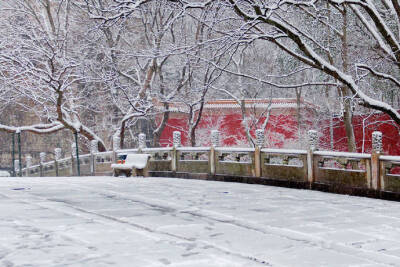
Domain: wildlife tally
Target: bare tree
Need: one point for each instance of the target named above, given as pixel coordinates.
(41, 58)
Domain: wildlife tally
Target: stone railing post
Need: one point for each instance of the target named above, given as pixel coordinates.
(375, 164)
(215, 138)
(177, 138)
(176, 142)
(28, 164)
(142, 141)
(313, 146)
(16, 168)
(94, 148)
(116, 142)
(73, 159)
(42, 157)
(257, 152)
(57, 157)
(212, 157)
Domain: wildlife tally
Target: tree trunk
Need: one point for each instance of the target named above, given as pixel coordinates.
(347, 116)
(194, 126)
(157, 133)
(247, 130)
(298, 105)
(348, 123)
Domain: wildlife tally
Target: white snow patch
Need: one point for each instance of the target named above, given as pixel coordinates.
(98, 221)
(4, 174)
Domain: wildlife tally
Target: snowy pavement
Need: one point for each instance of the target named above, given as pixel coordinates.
(106, 221)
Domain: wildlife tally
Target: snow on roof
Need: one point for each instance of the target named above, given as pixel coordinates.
(274, 103)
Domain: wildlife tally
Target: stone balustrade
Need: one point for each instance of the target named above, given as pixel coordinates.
(354, 173)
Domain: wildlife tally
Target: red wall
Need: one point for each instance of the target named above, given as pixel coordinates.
(280, 129)
(363, 125)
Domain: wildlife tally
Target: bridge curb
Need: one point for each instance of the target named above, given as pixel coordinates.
(315, 186)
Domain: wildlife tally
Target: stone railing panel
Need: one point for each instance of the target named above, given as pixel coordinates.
(235, 161)
(84, 162)
(348, 169)
(102, 162)
(160, 159)
(64, 167)
(390, 173)
(34, 171)
(284, 165)
(193, 160)
(49, 169)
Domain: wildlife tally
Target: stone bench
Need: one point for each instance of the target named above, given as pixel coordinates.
(133, 165)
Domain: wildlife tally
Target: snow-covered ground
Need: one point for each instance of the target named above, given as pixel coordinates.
(102, 221)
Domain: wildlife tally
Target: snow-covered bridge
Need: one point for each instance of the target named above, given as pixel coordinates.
(101, 221)
(373, 174)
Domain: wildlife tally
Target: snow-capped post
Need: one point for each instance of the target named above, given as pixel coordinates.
(73, 161)
(375, 166)
(94, 148)
(57, 154)
(42, 160)
(176, 142)
(73, 150)
(313, 140)
(57, 157)
(16, 163)
(377, 141)
(116, 142)
(313, 146)
(19, 152)
(177, 138)
(28, 164)
(259, 137)
(13, 154)
(42, 157)
(212, 157)
(215, 138)
(78, 164)
(257, 151)
(142, 141)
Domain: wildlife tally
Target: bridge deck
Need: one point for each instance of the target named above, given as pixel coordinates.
(100, 221)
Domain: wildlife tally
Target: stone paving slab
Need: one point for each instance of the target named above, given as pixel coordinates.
(107, 221)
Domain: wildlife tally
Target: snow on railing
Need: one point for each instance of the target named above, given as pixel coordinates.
(389, 158)
(342, 154)
(122, 151)
(192, 149)
(373, 170)
(152, 149)
(284, 151)
(106, 153)
(235, 149)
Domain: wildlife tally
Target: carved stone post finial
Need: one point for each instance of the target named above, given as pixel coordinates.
(94, 146)
(57, 153)
(313, 139)
(259, 137)
(176, 136)
(142, 140)
(42, 156)
(28, 161)
(377, 141)
(215, 138)
(28, 164)
(73, 149)
(16, 164)
(116, 141)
